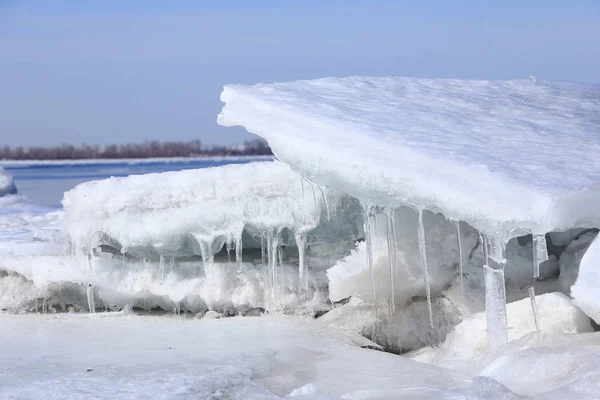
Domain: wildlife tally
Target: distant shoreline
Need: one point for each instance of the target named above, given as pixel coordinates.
(129, 161)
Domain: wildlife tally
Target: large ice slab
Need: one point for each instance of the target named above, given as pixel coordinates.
(498, 154)
(177, 213)
(251, 235)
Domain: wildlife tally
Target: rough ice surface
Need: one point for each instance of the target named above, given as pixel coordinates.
(70, 356)
(173, 213)
(7, 184)
(188, 240)
(273, 357)
(440, 144)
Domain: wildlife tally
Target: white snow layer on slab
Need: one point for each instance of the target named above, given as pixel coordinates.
(7, 184)
(162, 212)
(499, 155)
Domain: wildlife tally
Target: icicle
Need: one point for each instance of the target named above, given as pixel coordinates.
(312, 186)
(161, 267)
(392, 230)
(484, 248)
(422, 252)
(495, 307)
(301, 243)
(268, 245)
(44, 306)
(374, 212)
(177, 309)
(540, 253)
(369, 250)
(263, 253)
(392, 253)
(208, 258)
(73, 252)
(497, 248)
(270, 262)
(171, 265)
(37, 309)
(89, 258)
(460, 260)
(274, 250)
(238, 252)
(229, 245)
(90, 298)
(324, 196)
(279, 259)
(302, 185)
(534, 308)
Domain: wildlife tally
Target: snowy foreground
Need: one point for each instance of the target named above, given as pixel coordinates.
(85, 356)
(452, 223)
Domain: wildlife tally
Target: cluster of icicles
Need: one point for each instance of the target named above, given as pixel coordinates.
(271, 261)
(271, 254)
(495, 290)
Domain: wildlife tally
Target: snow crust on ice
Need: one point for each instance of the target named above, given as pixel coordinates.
(271, 357)
(7, 184)
(237, 358)
(176, 213)
(500, 155)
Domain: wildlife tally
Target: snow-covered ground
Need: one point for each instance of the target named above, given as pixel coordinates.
(269, 357)
(148, 357)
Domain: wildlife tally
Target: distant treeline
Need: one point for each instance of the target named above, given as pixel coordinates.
(134, 150)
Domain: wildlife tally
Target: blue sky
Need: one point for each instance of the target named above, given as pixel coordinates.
(120, 71)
